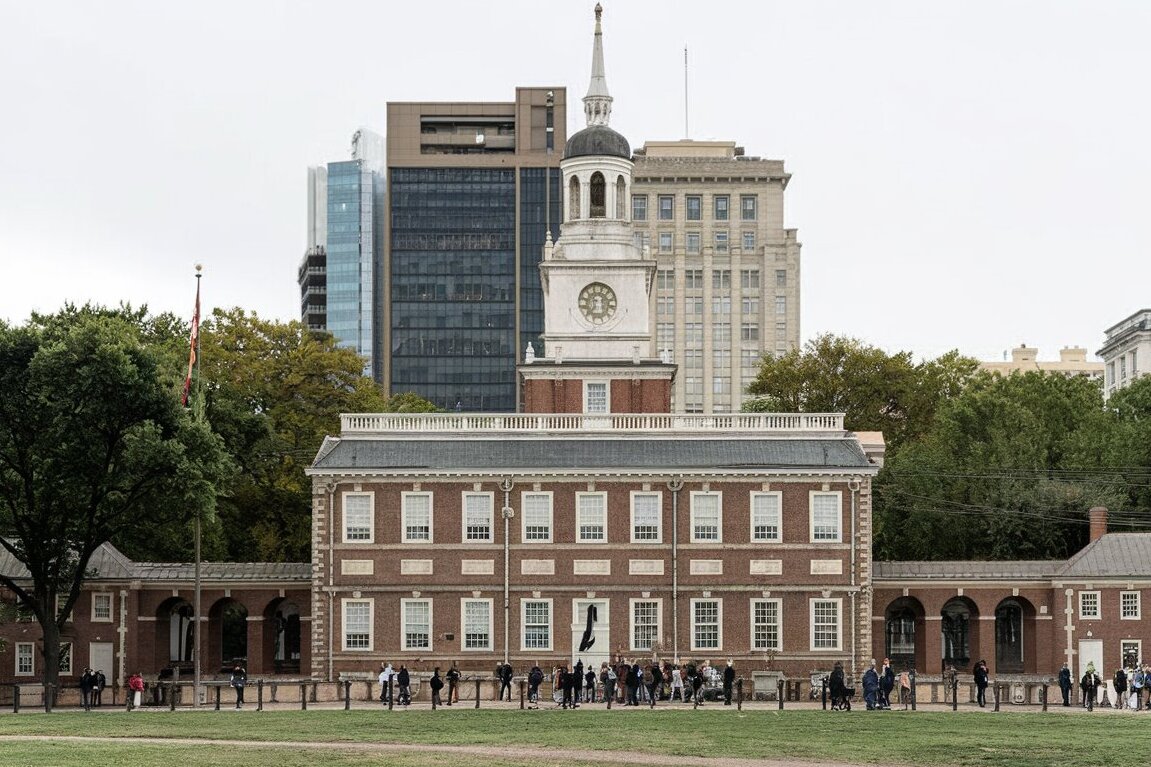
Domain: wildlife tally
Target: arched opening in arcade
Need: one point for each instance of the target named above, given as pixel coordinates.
(959, 629)
(903, 622)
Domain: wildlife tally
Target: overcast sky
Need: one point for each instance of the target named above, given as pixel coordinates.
(969, 175)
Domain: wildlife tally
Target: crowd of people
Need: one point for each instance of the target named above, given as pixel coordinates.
(1131, 685)
(631, 683)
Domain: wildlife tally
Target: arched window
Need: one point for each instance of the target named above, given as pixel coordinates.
(573, 199)
(598, 196)
(620, 194)
(233, 632)
(1009, 636)
(956, 628)
(901, 633)
(180, 633)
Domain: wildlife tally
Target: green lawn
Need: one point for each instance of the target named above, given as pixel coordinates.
(920, 738)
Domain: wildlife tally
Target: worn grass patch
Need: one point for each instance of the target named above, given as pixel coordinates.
(944, 739)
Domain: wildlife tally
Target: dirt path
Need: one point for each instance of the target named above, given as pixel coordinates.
(570, 756)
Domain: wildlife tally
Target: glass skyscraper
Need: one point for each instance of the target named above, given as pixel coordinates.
(469, 208)
(354, 256)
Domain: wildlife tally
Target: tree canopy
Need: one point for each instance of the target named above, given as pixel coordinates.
(875, 390)
(273, 391)
(92, 439)
(1002, 473)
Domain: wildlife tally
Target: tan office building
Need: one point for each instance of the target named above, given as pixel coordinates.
(727, 283)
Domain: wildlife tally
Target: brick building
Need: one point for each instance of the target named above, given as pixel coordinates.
(136, 616)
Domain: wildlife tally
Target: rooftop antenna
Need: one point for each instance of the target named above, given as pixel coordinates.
(686, 132)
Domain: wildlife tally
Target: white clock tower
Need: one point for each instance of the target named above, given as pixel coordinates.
(596, 282)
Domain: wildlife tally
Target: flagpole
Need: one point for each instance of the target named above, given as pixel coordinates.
(196, 526)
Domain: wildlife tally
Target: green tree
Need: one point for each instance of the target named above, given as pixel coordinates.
(875, 390)
(92, 440)
(274, 391)
(996, 476)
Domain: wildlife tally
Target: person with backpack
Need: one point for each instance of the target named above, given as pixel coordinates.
(453, 685)
(504, 673)
(1137, 681)
(535, 679)
(607, 676)
(1120, 687)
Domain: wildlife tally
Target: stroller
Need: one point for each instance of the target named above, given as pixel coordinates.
(841, 695)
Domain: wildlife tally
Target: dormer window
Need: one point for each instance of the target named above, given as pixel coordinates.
(598, 196)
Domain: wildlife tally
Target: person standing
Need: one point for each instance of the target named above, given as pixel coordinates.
(437, 684)
(886, 684)
(728, 682)
(87, 680)
(1120, 687)
(98, 688)
(870, 686)
(404, 680)
(504, 672)
(535, 679)
(453, 676)
(589, 686)
(238, 679)
(386, 673)
(607, 675)
(577, 681)
(1089, 684)
(135, 691)
(1065, 684)
(981, 675)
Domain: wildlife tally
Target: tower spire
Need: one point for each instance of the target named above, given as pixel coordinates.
(597, 102)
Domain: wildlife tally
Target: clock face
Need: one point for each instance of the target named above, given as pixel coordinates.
(597, 302)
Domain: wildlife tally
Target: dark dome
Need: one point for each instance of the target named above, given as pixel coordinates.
(597, 140)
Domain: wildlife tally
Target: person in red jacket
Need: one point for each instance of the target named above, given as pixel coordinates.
(135, 690)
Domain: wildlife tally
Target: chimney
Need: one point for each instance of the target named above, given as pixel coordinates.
(1098, 520)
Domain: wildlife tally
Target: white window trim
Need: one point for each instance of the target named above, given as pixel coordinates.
(404, 496)
(719, 625)
(779, 515)
(838, 624)
(603, 498)
(464, 626)
(1138, 606)
(751, 624)
(606, 397)
(111, 607)
(404, 625)
(811, 516)
(719, 516)
(1098, 607)
(631, 603)
(371, 603)
(371, 516)
(17, 654)
(1138, 649)
(524, 623)
(491, 497)
(524, 517)
(659, 524)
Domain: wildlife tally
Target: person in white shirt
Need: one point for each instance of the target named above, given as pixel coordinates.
(386, 674)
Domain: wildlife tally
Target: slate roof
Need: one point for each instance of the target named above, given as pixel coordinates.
(1114, 555)
(107, 563)
(923, 570)
(559, 454)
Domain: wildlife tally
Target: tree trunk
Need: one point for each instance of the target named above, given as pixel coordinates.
(50, 651)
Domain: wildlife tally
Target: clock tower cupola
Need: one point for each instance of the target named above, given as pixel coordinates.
(597, 345)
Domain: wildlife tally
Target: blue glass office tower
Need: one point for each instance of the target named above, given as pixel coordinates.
(473, 190)
(354, 258)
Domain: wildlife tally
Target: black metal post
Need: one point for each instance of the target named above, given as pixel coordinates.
(259, 694)
(171, 696)
(997, 696)
(954, 694)
(303, 697)
(347, 695)
(779, 693)
(739, 694)
(911, 676)
(477, 692)
(1043, 695)
(823, 692)
(523, 685)
(15, 699)
(217, 697)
